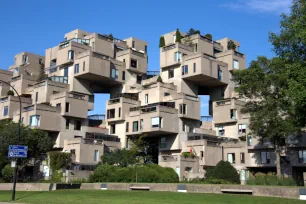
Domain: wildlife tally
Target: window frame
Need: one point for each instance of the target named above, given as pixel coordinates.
(233, 158)
(170, 73)
(135, 63)
(137, 126)
(76, 68)
(5, 111)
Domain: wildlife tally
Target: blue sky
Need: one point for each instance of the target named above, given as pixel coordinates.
(34, 26)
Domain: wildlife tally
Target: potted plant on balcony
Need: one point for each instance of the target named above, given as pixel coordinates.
(231, 45)
(10, 93)
(161, 41)
(178, 36)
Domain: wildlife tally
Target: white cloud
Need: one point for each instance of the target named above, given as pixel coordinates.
(260, 6)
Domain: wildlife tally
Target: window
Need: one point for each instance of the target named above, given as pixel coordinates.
(24, 59)
(119, 112)
(196, 47)
(72, 151)
(76, 68)
(146, 99)
(34, 120)
(184, 69)
(170, 73)
(16, 70)
(77, 125)
(183, 108)
(202, 154)
(183, 127)
(177, 56)
(265, 157)
(191, 128)
(231, 158)
(113, 129)
(141, 124)
(166, 94)
(139, 79)
(36, 97)
(156, 122)
(70, 55)
(93, 45)
(163, 142)
(219, 73)
(133, 63)
(249, 140)
(302, 156)
(22, 120)
(83, 66)
(67, 124)
(58, 105)
(96, 156)
(133, 44)
(194, 67)
(5, 110)
(67, 108)
(174, 38)
(146, 49)
(111, 113)
(236, 64)
(242, 159)
(66, 72)
(127, 127)
(241, 129)
(135, 126)
(123, 75)
(114, 73)
(233, 114)
(221, 131)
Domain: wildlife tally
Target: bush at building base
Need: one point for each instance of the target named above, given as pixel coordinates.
(143, 174)
(224, 171)
(270, 179)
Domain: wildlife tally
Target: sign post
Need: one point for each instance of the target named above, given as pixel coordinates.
(15, 152)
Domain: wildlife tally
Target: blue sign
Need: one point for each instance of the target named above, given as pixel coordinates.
(18, 151)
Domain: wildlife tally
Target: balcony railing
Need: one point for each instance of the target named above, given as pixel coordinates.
(152, 107)
(3, 99)
(238, 54)
(100, 136)
(206, 39)
(77, 40)
(151, 74)
(28, 108)
(61, 79)
(96, 117)
(206, 118)
(169, 47)
(133, 96)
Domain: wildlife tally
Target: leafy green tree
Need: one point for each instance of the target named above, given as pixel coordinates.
(119, 157)
(59, 160)
(209, 36)
(178, 36)
(7, 173)
(192, 31)
(231, 45)
(161, 41)
(10, 93)
(225, 171)
(110, 36)
(272, 114)
(42, 74)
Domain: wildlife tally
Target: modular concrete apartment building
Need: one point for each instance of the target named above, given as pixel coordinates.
(162, 106)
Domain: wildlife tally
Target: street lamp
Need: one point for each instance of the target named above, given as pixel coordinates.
(19, 124)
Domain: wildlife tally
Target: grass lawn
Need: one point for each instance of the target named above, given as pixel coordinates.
(130, 197)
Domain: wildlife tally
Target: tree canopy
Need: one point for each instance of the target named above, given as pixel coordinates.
(193, 31)
(231, 45)
(178, 36)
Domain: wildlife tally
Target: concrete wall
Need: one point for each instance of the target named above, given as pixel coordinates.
(28, 187)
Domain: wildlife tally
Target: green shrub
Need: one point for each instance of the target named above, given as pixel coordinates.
(225, 171)
(231, 45)
(188, 155)
(7, 173)
(10, 93)
(159, 79)
(59, 160)
(178, 36)
(270, 180)
(56, 177)
(162, 41)
(151, 173)
(209, 181)
(209, 36)
(78, 181)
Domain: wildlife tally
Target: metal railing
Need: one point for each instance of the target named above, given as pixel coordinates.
(133, 96)
(100, 136)
(77, 40)
(96, 117)
(238, 54)
(149, 106)
(152, 74)
(61, 79)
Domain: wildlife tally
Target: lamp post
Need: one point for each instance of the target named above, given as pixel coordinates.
(19, 128)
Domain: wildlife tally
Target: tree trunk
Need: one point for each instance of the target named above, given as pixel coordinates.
(278, 163)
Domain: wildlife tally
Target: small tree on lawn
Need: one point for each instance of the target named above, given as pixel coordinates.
(178, 36)
(225, 171)
(161, 41)
(231, 45)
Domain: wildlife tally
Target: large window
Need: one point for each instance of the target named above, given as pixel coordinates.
(67, 107)
(119, 112)
(5, 110)
(184, 69)
(111, 113)
(139, 79)
(76, 68)
(265, 157)
(123, 75)
(170, 73)
(24, 59)
(70, 55)
(183, 109)
(146, 98)
(66, 71)
(113, 129)
(233, 114)
(302, 156)
(156, 122)
(177, 56)
(96, 155)
(221, 131)
(146, 48)
(174, 38)
(184, 129)
(219, 73)
(135, 126)
(133, 63)
(16, 70)
(77, 125)
(34, 120)
(194, 67)
(114, 73)
(133, 44)
(36, 97)
(127, 127)
(231, 158)
(241, 129)
(249, 140)
(67, 124)
(242, 158)
(163, 142)
(236, 64)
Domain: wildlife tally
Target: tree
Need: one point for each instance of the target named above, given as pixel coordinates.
(7, 173)
(10, 93)
(161, 41)
(231, 45)
(59, 160)
(159, 79)
(119, 157)
(272, 114)
(209, 36)
(225, 171)
(110, 36)
(42, 74)
(178, 36)
(193, 32)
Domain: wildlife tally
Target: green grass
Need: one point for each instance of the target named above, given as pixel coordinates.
(130, 197)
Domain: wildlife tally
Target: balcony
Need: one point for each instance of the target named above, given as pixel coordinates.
(118, 108)
(135, 61)
(12, 104)
(205, 71)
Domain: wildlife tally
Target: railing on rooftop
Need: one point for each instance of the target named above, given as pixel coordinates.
(61, 79)
(239, 54)
(96, 117)
(101, 136)
(133, 96)
(148, 107)
(77, 40)
(111, 39)
(151, 74)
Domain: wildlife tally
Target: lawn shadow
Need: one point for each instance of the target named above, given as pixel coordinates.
(30, 194)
